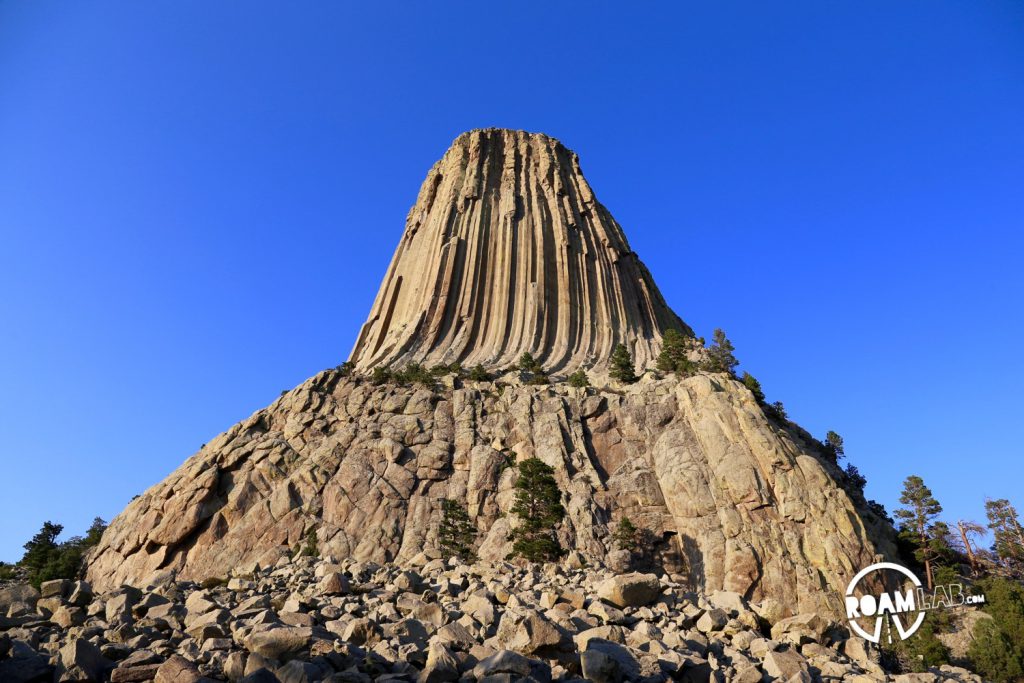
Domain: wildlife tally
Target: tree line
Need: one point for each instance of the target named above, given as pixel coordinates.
(943, 553)
(46, 558)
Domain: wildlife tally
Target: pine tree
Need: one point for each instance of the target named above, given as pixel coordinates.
(969, 531)
(626, 536)
(579, 379)
(673, 356)
(456, 533)
(1006, 529)
(527, 363)
(622, 365)
(857, 480)
(919, 525)
(754, 386)
(721, 358)
(834, 446)
(539, 509)
(479, 374)
(41, 552)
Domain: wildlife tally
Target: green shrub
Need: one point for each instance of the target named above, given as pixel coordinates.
(626, 535)
(579, 379)
(538, 378)
(997, 652)
(382, 375)
(414, 373)
(345, 369)
(479, 374)
(309, 548)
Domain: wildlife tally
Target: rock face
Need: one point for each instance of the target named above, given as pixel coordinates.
(734, 500)
(506, 251)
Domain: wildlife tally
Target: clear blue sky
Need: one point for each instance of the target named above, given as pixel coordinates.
(198, 201)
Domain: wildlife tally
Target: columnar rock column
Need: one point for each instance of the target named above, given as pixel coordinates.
(506, 251)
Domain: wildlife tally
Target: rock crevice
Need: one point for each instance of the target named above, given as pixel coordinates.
(741, 503)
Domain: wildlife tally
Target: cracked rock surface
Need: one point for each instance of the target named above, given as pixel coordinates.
(734, 501)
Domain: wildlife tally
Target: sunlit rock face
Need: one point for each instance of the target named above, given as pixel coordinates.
(506, 251)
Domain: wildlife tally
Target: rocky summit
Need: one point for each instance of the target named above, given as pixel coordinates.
(432, 621)
(506, 251)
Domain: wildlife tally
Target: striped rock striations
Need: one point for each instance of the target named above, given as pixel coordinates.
(508, 251)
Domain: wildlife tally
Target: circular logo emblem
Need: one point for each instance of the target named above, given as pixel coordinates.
(883, 606)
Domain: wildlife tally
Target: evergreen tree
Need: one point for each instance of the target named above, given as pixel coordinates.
(778, 411)
(539, 509)
(857, 480)
(834, 446)
(754, 386)
(1006, 529)
(626, 536)
(919, 525)
(673, 356)
(456, 533)
(45, 559)
(94, 533)
(968, 531)
(41, 552)
(579, 379)
(479, 374)
(527, 363)
(622, 365)
(721, 358)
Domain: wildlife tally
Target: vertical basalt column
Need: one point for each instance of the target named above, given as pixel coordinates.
(507, 251)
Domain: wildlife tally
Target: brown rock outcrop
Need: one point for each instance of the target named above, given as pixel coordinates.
(737, 502)
(508, 251)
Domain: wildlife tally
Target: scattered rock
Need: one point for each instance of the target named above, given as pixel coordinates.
(177, 669)
(515, 664)
(800, 629)
(485, 622)
(79, 660)
(630, 590)
(784, 665)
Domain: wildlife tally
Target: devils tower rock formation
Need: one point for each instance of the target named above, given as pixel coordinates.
(508, 251)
